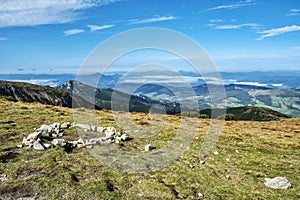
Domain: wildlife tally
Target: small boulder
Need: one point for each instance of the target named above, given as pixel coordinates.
(38, 146)
(278, 183)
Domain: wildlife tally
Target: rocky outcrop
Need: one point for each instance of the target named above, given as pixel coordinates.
(46, 95)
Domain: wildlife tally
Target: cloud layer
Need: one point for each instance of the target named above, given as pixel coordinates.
(37, 12)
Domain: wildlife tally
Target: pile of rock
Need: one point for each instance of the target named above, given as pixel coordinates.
(56, 130)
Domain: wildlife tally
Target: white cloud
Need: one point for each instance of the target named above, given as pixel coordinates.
(278, 31)
(3, 38)
(39, 12)
(96, 27)
(234, 5)
(73, 32)
(215, 20)
(293, 12)
(233, 26)
(154, 19)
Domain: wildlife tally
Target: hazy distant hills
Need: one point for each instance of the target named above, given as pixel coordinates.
(286, 101)
(277, 90)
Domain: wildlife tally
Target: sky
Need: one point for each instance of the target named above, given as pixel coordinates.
(56, 36)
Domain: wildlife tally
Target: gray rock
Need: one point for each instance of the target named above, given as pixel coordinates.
(44, 130)
(124, 137)
(38, 146)
(59, 142)
(33, 136)
(65, 125)
(80, 141)
(148, 147)
(28, 142)
(278, 183)
(110, 134)
(3, 178)
(47, 145)
(99, 129)
(202, 162)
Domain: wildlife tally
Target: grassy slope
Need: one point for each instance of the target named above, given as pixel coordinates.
(256, 150)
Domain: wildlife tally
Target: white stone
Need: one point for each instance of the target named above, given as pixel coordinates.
(124, 137)
(278, 183)
(33, 136)
(59, 142)
(148, 147)
(202, 162)
(20, 145)
(216, 153)
(3, 179)
(46, 145)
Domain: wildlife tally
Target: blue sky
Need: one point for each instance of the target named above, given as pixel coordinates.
(55, 36)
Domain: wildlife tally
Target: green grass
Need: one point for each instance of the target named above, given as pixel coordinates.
(255, 150)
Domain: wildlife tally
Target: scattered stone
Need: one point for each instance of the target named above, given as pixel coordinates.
(33, 136)
(44, 130)
(216, 153)
(148, 147)
(191, 166)
(59, 142)
(3, 178)
(65, 125)
(200, 195)
(227, 159)
(38, 146)
(278, 183)
(47, 145)
(124, 137)
(237, 151)
(110, 134)
(20, 145)
(202, 162)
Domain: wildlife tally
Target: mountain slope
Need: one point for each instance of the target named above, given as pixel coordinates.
(27, 92)
(102, 98)
(249, 113)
